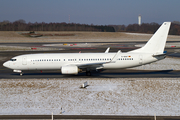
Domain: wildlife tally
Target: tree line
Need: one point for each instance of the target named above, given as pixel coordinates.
(21, 25)
(147, 28)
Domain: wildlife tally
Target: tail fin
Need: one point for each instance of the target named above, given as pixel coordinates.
(157, 42)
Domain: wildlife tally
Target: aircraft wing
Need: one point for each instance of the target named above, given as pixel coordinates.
(92, 65)
(98, 65)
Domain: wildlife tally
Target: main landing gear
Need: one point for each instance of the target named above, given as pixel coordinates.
(88, 73)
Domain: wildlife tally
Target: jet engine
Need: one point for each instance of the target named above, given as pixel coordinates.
(69, 70)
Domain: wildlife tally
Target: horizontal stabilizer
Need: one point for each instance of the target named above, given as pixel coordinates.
(159, 55)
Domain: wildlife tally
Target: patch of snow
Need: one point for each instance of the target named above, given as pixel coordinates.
(138, 34)
(103, 96)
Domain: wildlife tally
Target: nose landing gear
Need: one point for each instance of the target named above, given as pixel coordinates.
(21, 74)
(19, 71)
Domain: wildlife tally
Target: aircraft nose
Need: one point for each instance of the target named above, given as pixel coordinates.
(6, 64)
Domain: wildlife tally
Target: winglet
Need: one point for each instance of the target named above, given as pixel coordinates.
(115, 57)
(107, 50)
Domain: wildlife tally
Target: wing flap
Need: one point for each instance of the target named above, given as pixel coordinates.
(89, 65)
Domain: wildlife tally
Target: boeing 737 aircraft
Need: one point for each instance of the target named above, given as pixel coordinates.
(72, 63)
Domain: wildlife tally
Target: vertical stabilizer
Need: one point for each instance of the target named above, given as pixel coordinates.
(157, 42)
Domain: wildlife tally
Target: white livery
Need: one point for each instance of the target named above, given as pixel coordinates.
(72, 63)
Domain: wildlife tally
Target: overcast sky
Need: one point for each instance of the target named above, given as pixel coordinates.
(97, 12)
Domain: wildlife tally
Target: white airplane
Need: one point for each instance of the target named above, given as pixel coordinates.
(72, 63)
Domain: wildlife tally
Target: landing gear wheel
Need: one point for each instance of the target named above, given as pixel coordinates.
(88, 73)
(21, 74)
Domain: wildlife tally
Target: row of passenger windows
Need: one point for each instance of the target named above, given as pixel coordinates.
(100, 59)
(71, 59)
(39, 60)
(125, 59)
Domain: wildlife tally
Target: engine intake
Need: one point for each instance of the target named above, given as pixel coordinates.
(69, 70)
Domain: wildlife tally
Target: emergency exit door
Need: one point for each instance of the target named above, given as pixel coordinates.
(24, 60)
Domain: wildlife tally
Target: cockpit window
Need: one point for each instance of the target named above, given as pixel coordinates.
(12, 59)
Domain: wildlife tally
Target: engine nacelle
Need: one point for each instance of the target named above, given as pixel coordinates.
(69, 70)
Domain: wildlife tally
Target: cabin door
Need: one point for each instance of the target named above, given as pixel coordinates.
(140, 59)
(24, 60)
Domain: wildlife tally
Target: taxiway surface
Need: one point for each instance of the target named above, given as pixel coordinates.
(107, 117)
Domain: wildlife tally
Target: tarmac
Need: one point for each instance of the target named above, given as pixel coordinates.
(94, 117)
